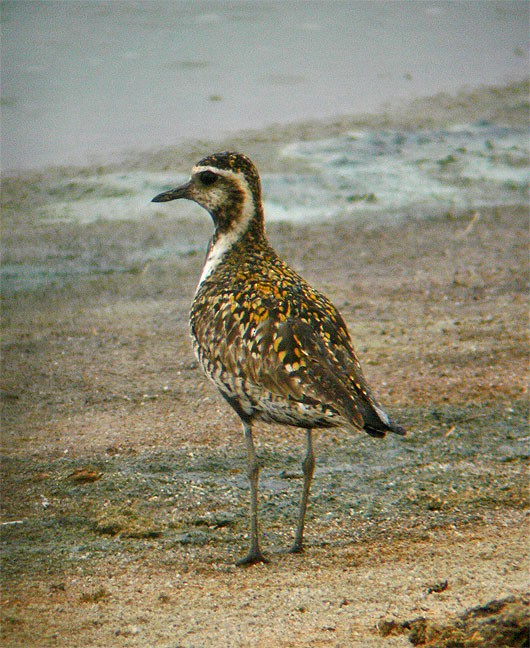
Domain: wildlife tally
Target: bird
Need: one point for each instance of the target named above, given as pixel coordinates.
(277, 349)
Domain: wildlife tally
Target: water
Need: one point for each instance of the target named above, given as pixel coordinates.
(422, 172)
(85, 81)
(383, 174)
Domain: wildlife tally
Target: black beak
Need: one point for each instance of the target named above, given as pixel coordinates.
(173, 194)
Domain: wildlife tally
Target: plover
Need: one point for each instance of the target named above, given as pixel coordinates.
(276, 348)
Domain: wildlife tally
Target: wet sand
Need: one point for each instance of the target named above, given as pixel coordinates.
(124, 491)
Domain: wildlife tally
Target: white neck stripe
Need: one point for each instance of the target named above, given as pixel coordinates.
(239, 226)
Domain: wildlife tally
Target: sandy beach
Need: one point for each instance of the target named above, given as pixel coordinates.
(124, 497)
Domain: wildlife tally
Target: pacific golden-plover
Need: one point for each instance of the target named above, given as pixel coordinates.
(276, 348)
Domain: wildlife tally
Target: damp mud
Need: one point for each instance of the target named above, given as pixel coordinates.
(124, 492)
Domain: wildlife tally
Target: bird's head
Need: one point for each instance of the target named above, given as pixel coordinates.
(227, 185)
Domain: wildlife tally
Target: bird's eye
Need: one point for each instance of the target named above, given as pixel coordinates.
(207, 178)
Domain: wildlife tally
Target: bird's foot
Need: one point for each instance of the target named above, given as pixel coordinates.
(297, 548)
(254, 557)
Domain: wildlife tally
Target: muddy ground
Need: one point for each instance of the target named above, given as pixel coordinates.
(124, 497)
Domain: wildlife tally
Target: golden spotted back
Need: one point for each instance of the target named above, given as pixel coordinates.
(276, 348)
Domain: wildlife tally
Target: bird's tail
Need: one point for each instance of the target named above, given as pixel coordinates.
(376, 421)
(383, 428)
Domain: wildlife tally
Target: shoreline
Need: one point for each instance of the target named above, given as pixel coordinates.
(502, 104)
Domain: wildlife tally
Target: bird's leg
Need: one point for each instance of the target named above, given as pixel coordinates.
(308, 468)
(254, 554)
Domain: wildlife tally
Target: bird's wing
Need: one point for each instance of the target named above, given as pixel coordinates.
(312, 361)
(291, 342)
(334, 373)
(286, 357)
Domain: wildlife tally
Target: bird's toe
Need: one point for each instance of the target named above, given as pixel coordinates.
(253, 558)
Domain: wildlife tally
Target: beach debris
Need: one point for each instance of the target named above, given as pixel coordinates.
(98, 595)
(497, 624)
(469, 228)
(441, 586)
(127, 522)
(84, 475)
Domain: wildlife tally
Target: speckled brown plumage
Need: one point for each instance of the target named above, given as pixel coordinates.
(277, 349)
